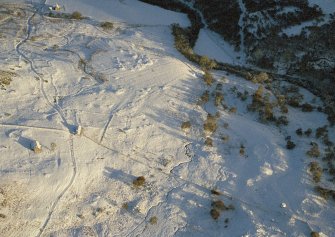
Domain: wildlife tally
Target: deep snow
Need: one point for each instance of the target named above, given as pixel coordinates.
(82, 185)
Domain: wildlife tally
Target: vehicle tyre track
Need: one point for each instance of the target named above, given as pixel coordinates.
(39, 75)
(59, 197)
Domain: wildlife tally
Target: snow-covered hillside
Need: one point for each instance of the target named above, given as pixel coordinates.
(143, 164)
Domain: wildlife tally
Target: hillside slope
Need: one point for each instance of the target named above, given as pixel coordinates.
(161, 152)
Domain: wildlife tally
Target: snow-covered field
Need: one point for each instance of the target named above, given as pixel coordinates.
(130, 91)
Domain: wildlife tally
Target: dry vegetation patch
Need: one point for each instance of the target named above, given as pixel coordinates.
(6, 78)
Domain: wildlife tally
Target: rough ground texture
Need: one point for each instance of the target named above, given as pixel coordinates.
(226, 172)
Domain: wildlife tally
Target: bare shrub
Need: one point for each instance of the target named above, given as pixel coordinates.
(107, 25)
(257, 99)
(6, 78)
(307, 107)
(282, 120)
(315, 234)
(209, 142)
(219, 87)
(215, 214)
(298, 132)
(125, 206)
(153, 220)
(314, 151)
(290, 145)
(206, 63)
(325, 192)
(321, 131)
(210, 124)
(233, 110)
(225, 138)
(294, 102)
(76, 15)
(186, 125)
(316, 171)
(243, 96)
(204, 98)
(219, 205)
(242, 150)
(218, 98)
(139, 181)
(262, 77)
(208, 78)
(308, 132)
(215, 192)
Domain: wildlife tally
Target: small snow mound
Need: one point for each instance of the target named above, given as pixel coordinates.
(311, 206)
(266, 169)
(250, 182)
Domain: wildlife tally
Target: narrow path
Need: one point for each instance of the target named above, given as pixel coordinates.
(28, 126)
(59, 197)
(289, 212)
(56, 108)
(39, 75)
(106, 127)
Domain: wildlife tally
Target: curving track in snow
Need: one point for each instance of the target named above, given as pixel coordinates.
(59, 197)
(32, 67)
(56, 108)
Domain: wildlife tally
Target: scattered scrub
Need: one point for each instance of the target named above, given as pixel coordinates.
(282, 120)
(210, 124)
(125, 206)
(233, 110)
(242, 150)
(186, 125)
(316, 171)
(6, 78)
(76, 15)
(107, 25)
(204, 98)
(298, 132)
(153, 220)
(225, 138)
(325, 192)
(206, 63)
(209, 142)
(321, 131)
(219, 87)
(314, 151)
(218, 98)
(261, 78)
(290, 145)
(243, 96)
(315, 234)
(218, 206)
(257, 99)
(215, 192)
(139, 181)
(308, 132)
(215, 214)
(307, 107)
(208, 78)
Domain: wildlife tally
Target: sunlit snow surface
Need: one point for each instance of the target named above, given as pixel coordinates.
(130, 90)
